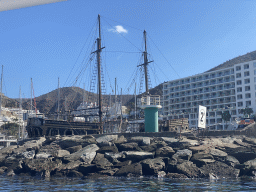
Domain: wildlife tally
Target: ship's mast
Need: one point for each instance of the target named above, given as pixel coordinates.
(146, 62)
(99, 48)
(1, 91)
(58, 109)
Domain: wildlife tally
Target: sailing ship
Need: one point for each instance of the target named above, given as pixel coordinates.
(39, 126)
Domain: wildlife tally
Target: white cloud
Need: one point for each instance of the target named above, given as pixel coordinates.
(6, 5)
(119, 29)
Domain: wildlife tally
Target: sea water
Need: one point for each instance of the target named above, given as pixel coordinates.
(19, 183)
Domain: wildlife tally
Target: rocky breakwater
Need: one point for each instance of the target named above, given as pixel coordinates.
(110, 155)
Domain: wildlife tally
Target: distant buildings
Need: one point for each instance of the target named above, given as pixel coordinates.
(232, 88)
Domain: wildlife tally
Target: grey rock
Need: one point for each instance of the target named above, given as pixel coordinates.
(108, 149)
(43, 155)
(164, 152)
(69, 166)
(221, 170)
(190, 170)
(74, 148)
(129, 147)
(74, 173)
(106, 140)
(137, 155)
(34, 144)
(71, 141)
(176, 176)
(62, 153)
(130, 170)
(120, 140)
(183, 154)
(86, 169)
(114, 157)
(218, 153)
(243, 156)
(232, 161)
(41, 165)
(101, 162)
(201, 155)
(152, 166)
(28, 154)
(169, 140)
(86, 154)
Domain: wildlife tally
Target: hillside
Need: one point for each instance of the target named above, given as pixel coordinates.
(47, 103)
(240, 59)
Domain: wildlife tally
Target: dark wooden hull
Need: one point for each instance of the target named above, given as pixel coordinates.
(38, 127)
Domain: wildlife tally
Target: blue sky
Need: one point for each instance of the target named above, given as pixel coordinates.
(184, 38)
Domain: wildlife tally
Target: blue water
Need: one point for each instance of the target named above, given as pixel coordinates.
(18, 183)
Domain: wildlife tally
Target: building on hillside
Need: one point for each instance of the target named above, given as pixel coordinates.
(229, 87)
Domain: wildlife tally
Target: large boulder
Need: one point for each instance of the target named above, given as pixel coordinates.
(86, 169)
(141, 140)
(43, 156)
(120, 140)
(42, 167)
(69, 166)
(71, 141)
(218, 154)
(101, 162)
(183, 154)
(190, 170)
(220, 170)
(106, 140)
(152, 166)
(108, 149)
(164, 152)
(136, 156)
(243, 156)
(74, 148)
(114, 157)
(86, 154)
(176, 176)
(129, 147)
(28, 154)
(202, 158)
(130, 170)
(61, 153)
(34, 144)
(232, 161)
(169, 140)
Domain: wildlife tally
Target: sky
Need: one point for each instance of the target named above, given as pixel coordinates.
(54, 39)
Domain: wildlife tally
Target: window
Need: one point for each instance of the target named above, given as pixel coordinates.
(248, 95)
(240, 104)
(254, 79)
(254, 64)
(246, 66)
(239, 89)
(248, 103)
(238, 68)
(247, 88)
(239, 96)
(238, 75)
(254, 72)
(246, 81)
(239, 82)
(246, 73)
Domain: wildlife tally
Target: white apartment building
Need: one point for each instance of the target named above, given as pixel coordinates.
(232, 88)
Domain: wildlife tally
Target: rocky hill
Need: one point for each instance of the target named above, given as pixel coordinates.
(47, 103)
(240, 59)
